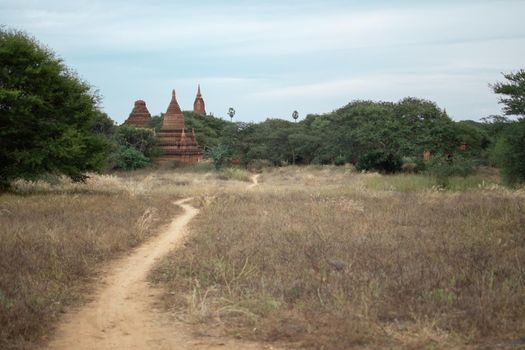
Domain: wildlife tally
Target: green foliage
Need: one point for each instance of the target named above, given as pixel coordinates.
(514, 90)
(422, 182)
(220, 155)
(509, 150)
(406, 128)
(48, 116)
(155, 122)
(128, 158)
(234, 174)
(103, 125)
(381, 161)
(143, 140)
(510, 153)
(340, 160)
(445, 167)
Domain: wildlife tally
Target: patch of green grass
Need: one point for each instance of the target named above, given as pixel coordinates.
(234, 174)
(418, 183)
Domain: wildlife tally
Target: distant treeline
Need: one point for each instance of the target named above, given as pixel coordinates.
(382, 136)
(51, 123)
(404, 129)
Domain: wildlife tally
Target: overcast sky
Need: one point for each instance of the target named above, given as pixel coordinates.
(268, 58)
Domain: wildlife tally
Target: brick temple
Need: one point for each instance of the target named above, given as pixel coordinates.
(139, 116)
(175, 141)
(198, 105)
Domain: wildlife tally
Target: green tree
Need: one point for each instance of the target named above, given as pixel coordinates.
(156, 121)
(510, 153)
(48, 116)
(142, 140)
(514, 90)
(128, 158)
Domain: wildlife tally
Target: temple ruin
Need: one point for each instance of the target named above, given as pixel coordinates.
(175, 141)
(139, 116)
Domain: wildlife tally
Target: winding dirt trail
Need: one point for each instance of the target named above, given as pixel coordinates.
(122, 313)
(255, 181)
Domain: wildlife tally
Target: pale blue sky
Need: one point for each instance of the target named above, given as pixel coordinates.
(267, 58)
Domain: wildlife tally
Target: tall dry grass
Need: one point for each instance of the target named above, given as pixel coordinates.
(318, 259)
(55, 233)
(52, 238)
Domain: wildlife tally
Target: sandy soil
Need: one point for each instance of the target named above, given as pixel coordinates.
(122, 314)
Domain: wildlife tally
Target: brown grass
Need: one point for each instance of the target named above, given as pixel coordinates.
(52, 238)
(319, 259)
(54, 235)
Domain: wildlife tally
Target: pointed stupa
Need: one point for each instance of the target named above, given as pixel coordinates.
(174, 141)
(139, 116)
(173, 119)
(199, 106)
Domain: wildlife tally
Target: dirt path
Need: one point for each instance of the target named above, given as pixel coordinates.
(255, 181)
(122, 313)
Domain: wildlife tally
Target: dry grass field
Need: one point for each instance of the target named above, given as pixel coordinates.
(325, 258)
(315, 257)
(55, 237)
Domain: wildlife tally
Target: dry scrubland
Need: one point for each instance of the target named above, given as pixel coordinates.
(54, 237)
(326, 258)
(312, 257)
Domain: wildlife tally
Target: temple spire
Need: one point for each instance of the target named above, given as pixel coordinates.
(173, 119)
(198, 105)
(175, 142)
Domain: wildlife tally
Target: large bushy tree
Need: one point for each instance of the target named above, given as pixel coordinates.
(510, 153)
(510, 148)
(359, 129)
(513, 91)
(48, 116)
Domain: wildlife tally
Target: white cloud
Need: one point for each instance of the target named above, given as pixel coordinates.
(130, 27)
(273, 56)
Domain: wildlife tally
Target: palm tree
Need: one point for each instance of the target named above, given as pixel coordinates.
(295, 115)
(231, 113)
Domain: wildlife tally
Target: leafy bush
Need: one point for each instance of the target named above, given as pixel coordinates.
(340, 160)
(128, 158)
(409, 168)
(510, 154)
(220, 155)
(442, 166)
(380, 161)
(143, 140)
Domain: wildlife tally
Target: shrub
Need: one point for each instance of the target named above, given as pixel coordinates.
(143, 140)
(220, 155)
(445, 167)
(340, 160)
(510, 154)
(410, 168)
(128, 158)
(380, 161)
